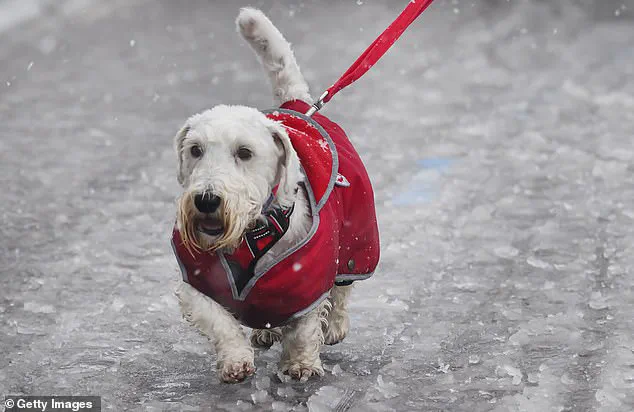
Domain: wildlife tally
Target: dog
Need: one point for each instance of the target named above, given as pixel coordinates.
(275, 222)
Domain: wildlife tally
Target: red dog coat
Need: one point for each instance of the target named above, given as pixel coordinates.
(342, 245)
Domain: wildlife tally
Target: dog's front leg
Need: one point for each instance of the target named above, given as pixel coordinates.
(301, 343)
(233, 351)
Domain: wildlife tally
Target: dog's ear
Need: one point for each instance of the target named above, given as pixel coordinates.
(288, 172)
(178, 145)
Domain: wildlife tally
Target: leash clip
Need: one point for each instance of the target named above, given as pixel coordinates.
(317, 105)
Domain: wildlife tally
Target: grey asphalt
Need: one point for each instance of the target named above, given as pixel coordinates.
(498, 136)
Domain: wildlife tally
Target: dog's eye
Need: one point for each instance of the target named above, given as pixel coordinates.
(244, 153)
(196, 151)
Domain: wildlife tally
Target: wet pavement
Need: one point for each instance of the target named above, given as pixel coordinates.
(498, 136)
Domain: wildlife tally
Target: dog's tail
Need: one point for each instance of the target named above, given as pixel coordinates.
(275, 54)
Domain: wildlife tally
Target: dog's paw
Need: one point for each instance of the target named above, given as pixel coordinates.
(302, 371)
(264, 338)
(336, 329)
(235, 371)
(236, 365)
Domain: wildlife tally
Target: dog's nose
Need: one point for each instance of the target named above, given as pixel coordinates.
(206, 202)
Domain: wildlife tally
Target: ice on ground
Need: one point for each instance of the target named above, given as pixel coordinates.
(511, 371)
(499, 144)
(506, 252)
(326, 399)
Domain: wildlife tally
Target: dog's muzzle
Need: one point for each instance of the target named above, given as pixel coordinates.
(207, 203)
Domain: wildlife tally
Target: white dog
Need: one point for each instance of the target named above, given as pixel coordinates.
(245, 185)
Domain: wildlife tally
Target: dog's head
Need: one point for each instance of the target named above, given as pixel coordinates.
(229, 160)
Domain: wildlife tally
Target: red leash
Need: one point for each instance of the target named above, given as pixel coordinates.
(373, 53)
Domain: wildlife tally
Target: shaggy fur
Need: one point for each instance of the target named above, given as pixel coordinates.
(243, 187)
